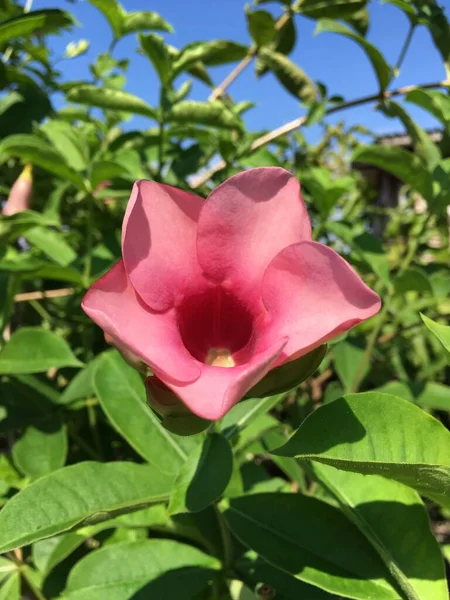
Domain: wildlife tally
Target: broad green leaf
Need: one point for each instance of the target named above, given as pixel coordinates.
(204, 476)
(34, 350)
(433, 16)
(325, 191)
(429, 395)
(423, 145)
(382, 70)
(255, 570)
(401, 163)
(371, 433)
(302, 536)
(412, 279)
(442, 332)
(104, 170)
(292, 77)
(68, 142)
(143, 20)
(42, 21)
(31, 148)
(348, 358)
(156, 50)
(394, 520)
(216, 52)
(261, 26)
(16, 225)
(139, 570)
(48, 553)
(42, 448)
(52, 244)
(10, 588)
(289, 375)
(122, 395)
(113, 12)
(329, 9)
(82, 384)
(9, 100)
(82, 494)
(435, 102)
(244, 413)
(108, 98)
(373, 253)
(214, 113)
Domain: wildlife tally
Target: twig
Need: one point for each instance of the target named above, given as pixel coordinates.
(299, 122)
(221, 88)
(28, 296)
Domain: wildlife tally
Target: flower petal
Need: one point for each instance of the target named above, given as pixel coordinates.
(159, 243)
(312, 295)
(246, 221)
(112, 303)
(219, 388)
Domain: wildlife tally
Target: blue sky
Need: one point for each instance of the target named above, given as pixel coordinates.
(327, 57)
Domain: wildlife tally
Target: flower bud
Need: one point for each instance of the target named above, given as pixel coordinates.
(20, 194)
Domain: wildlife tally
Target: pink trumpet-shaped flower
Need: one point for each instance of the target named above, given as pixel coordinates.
(20, 193)
(213, 294)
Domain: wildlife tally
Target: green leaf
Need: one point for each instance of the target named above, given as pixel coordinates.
(429, 395)
(68, 142)
(382, 70)
(143, 20)
(10, 590)
(348, 356)
(113, 12)
(329, 9)
(204, 476)
(244, 413)
(52, 244)
(442, 332)
(289, 375)
(82, 494)
(122, 395)
(9, 100)
(432, 15)
(289, 75)
(324, 190)
(401, 163)
(31, 148)
(34, 350)
(75, 49)
(157, 52)
(107, 98)
(49, 553)
(261, 26)
(16, 225)
(371, 433)
(144, 569)
(298, 534)
(214, 113)
(423, 146)
(437, 103)
(42, 448)
(216, 52)
(42, 21)
(394, 520)
(104, 170)
(412, 279)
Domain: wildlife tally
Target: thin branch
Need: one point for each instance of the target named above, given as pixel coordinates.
(405, 47)
(221, 88)
(300, 121)
(28, 296)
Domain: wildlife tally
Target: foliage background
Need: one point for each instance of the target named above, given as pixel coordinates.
(152, 514)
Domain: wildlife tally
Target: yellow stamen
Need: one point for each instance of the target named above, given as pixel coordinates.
(219, 357)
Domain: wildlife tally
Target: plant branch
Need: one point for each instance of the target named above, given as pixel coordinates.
(222, 87)
(267, 138)
(28, 296)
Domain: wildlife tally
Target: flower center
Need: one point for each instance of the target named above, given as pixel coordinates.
(216, 328)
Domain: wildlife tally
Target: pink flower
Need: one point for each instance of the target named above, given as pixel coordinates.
(213, 294)
(20, 193)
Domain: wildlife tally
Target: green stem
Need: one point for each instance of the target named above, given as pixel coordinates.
(92, 418)
(405, 47)
(36, 591)
(162, 131)
(226, 540)
(89, 240)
